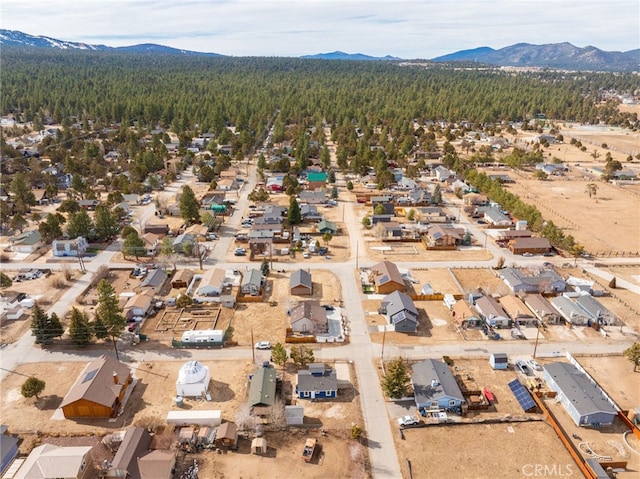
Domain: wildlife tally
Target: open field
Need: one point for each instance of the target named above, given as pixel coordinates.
(565, 202)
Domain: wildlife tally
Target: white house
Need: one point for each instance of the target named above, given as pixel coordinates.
(72, 247)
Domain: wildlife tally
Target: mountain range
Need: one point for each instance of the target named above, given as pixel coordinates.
(554, 55)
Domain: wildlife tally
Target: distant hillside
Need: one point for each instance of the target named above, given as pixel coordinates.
(15, 38)
(554, 55)
(348, 56)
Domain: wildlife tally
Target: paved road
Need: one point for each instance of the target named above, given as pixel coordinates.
(365, 354)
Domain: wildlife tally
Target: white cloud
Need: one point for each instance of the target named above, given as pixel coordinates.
(421, 28)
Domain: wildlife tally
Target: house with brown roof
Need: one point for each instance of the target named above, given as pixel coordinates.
(158, 464)
(493, 314)
(309, 318)
(465, 316)
(386, 278)
(542, 309)
(138, 305)
(99, 390)
(151, 243)
(441, 237)
(517, 310)
(212, 282)
(182, 278)
(532, 245)
(135, 444)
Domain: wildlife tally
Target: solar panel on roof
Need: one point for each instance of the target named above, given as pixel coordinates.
(522, 395)
(90, 375)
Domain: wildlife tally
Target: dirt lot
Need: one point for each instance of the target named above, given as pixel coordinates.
(45, 290)
(453, 452)
(615, 375)
(153, 397)
(471, 279)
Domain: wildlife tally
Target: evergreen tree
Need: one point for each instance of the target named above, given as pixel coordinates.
(302, 355)
(80, 224)
(395, 382)
(436, 199)
(189, 208)
(39, 324)
(133, 245)
(331, 176)
(109, 311)
(21, 194)
(294, 216)
(55, 327)
(32, 387)
(279, 354)
(5, 281)
(106, 222)
(334, 193)
(80, 328)
(99, 328)
(50, 228)
(264, 267)
(18, 222)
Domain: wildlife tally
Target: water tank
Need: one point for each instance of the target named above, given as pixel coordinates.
(179, 401)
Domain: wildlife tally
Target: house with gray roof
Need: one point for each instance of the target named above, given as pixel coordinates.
(252, 282)
(300, 283)
(155, 280)
(545, 281)
(596, 309)
(570, 311)
(312, 197)
(180, 241)
(317, 382)
(496, 218)
(26, 242)
(583, 399)
(435, 388)
(400, 311)
(309, 212)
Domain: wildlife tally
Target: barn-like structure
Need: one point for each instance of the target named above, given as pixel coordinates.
(99, 390)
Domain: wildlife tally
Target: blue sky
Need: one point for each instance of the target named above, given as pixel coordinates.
(416, 29)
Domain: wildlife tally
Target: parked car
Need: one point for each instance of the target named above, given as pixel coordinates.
(523, 368)
(482, 222)
(528, 255)
(322, 251)
(328, 307)
(240, 252)
(263, 345)
(534, 365)
(406, 421)
(305, 255)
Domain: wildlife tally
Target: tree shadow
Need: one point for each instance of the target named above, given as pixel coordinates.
(48, 403)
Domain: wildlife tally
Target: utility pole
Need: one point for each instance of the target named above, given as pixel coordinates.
(357, 254)
(253, 349)
(384, 335)
(535, 347)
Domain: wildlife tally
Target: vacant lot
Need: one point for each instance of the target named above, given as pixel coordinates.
(453, 452)
(615, 375)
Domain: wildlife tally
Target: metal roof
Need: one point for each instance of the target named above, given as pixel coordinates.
(586, 396)
(262, 388)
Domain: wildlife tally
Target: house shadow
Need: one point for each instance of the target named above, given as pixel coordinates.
(424, 324)
(220, 392)
(317, 290)
(312, 421)
(48, 403)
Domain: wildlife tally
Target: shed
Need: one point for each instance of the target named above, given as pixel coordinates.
(158, 464)
(300, 283)
(187, 435)
(227, 435)
(193, 379)
(498, 361)
(206, 435)
(259, 445)
(294, 415)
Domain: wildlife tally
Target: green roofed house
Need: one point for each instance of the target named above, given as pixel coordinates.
(316, 180)
(262, 387)
(327, 226)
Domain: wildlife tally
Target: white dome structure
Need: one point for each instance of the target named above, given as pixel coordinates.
(193, 379)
